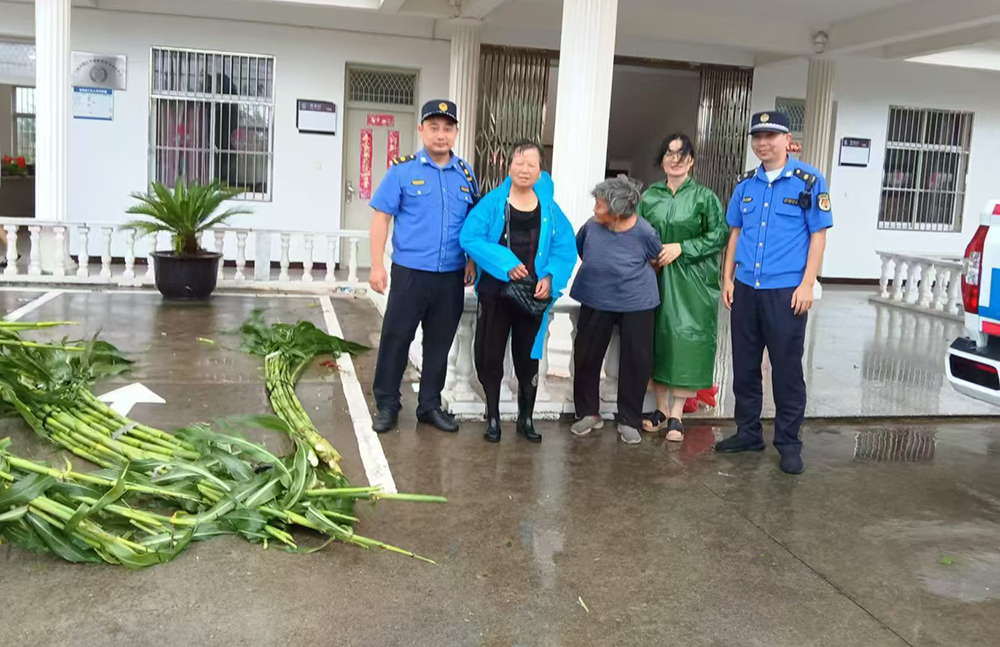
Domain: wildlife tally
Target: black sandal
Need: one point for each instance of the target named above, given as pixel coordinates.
(654, 422)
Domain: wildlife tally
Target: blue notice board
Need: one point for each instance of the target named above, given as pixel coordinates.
(94, 103)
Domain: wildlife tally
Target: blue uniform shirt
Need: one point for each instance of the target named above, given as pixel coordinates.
(775, 228)
(429, 205)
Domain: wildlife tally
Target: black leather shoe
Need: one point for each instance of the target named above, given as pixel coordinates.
(736, 443)
(385, 420)
(439, 419)
(525, 409)
(792, 464)
(492, 434)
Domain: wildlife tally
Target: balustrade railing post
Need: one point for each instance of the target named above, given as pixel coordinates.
(352, 263)
(83, 258)
(913, 282)
(129, 254)
(307, 265)
(927, 281)
(60, 251)
(285, 244)
(241, 256)
(331, 258)
(883, 282)
(11, 269)
(154, 240)
(35, 255)
(898, 278)
(106, 252)
(220, 248)
(955, 303)
(944, 279)
(462, 390)
(609, 386)
(542, 395)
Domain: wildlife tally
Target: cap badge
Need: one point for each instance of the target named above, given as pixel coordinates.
(764, 118)
(442, 106)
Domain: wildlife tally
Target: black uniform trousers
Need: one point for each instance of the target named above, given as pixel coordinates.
(764, 319)
(500, 319)
(593, 334)
(433, 300)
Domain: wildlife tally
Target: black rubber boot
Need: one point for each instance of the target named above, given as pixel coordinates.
(525, 409)
(492, 434)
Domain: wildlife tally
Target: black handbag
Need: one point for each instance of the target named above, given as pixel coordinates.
(522, 291)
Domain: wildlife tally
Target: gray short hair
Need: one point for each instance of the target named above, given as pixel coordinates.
(622, 194)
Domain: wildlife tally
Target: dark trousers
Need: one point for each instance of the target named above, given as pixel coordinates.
(500, 319)
(593, 334)
(764, 319)
(433, 300)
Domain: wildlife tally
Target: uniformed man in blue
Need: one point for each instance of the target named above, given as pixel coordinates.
(427, 195)
(779, 214)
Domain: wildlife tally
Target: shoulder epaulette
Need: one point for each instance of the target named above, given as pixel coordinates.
(807, 177)
(746, 176)
(405, 158)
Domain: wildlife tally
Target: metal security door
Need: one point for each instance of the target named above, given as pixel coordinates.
(723, 119)
(513, 88)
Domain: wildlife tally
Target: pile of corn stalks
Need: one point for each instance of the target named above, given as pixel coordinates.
(155, 492)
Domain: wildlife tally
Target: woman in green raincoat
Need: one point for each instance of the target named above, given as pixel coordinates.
(692, 226)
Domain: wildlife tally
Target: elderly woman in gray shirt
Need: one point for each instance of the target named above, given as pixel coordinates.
(616, 286)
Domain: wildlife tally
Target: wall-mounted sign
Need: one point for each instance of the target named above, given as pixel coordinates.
(381, 120)
(94, 103)
(317, 117)
(855, 152)
(795, 147)
(99, 71)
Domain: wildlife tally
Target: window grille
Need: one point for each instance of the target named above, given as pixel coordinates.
(924, 176)
(373, 86)
(17, 62)
(212, 118)
(24, 124)
(795, 110)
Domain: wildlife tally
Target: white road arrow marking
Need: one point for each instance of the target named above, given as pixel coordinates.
(122, 400)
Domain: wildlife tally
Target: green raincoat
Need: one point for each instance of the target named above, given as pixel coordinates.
(687, 319)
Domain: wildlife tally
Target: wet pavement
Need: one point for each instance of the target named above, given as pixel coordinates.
(891, 537)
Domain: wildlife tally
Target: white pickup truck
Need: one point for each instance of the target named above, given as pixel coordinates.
(973, 364)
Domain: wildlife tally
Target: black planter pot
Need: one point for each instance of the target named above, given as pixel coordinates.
(186, 277)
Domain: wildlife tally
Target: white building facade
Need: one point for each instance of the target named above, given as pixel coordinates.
(848, 66)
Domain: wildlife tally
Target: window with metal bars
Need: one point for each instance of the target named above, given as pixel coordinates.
(377, 86)
(212, 118)
(24, 124)
(926, 162)
(795, 110)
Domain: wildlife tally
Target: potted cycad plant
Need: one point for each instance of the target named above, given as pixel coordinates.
(187, 271)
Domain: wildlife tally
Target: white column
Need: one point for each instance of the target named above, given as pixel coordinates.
(583, 107)
(52, 119)
(818, 135)
(463, 82)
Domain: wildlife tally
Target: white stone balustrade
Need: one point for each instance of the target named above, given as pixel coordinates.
(921, 282)
(555, 384)
(122, 251)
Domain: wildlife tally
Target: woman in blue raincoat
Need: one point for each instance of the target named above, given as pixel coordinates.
(518, 237)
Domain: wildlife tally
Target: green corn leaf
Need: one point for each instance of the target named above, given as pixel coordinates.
(22, 534)
(112, 495)
(61, 544)
(13, 515)
(23, 491)
(263, 495)
(300, 472)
